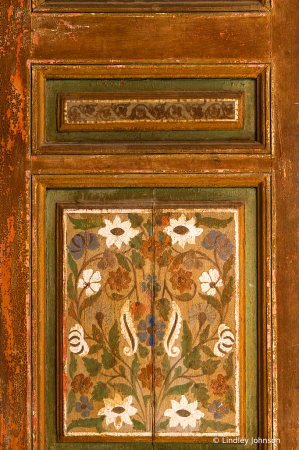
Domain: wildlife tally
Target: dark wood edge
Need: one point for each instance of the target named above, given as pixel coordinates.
(42, 72)
(59, 295)
(154, 7)
(42, 183)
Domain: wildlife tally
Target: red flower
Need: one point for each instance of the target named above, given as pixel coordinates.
(81, 384)
(219, 385)
(181, 280)
(138, 309)
(146, 377)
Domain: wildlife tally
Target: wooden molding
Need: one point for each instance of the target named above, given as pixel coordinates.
(153, 6)
(260, 181)
(261, 72)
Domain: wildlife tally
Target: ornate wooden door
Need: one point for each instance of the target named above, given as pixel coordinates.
(148, 224)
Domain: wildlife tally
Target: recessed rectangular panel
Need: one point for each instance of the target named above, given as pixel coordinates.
(199, 266)
(151, 111)
(151, 330)
(106, 291)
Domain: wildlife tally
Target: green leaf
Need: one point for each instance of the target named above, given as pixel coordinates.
(204, 335)
(92, 366)
(143, 351)
(164, 308)
(200, 392)
(139, 426)
(178, 260)
(94, 349)
(162, 426)
(122, 371)
(87, 224)
(228, 265)
(100, 391)
(230, 399)
(71, 400)
(166, 365)
(159, 350)
(214, 425)
(73, 265)
(123, 262)
(148, 226)
(89, 302)
(136, 242)
(177, 373)
(192, 359)
(229, 365)
(135, 219)
(186, 338)
(73, 366)
(137, 259)
(87, 423)
(179, 390)
(165, 259)
(207, 351)
(228, 292)
(185, 297)
(211, 222)
(123, 389)
(135, 369)
(213, 301)
(208, 367)
(114, 337)
(97, 335)
(146, 399)
(70, 287)
(108, 360)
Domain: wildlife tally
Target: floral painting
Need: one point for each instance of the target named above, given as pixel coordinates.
(151, 334)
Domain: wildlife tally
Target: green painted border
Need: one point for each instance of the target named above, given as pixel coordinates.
(248, 197)
(54, 87)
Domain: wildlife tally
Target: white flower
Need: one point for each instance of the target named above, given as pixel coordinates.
(226, 341)
(183, 413)
(76, 340)
(118, 232)
(118, 411)
(210, 281)
(90, 282)
(183, 231)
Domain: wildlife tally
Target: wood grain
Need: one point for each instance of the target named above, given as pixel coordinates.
(217, 38)
(285, 217)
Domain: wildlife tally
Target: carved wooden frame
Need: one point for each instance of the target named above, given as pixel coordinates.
(261, 72)
(262, 182)
(157, 6)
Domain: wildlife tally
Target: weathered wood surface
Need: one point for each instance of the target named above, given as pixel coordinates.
(204, 38)
(285, 216)
(100, 38)
(14, 230)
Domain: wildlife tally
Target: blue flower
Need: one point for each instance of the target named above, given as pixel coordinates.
(84, 406)
(151, 331)
(82, 241)
(218, 409)
(218, 241)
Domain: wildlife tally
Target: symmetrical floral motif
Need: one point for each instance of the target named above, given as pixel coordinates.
(118, 411)
(183, 413)
(151, 330)
(118, 232)
(149, 322)
(183, 231)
